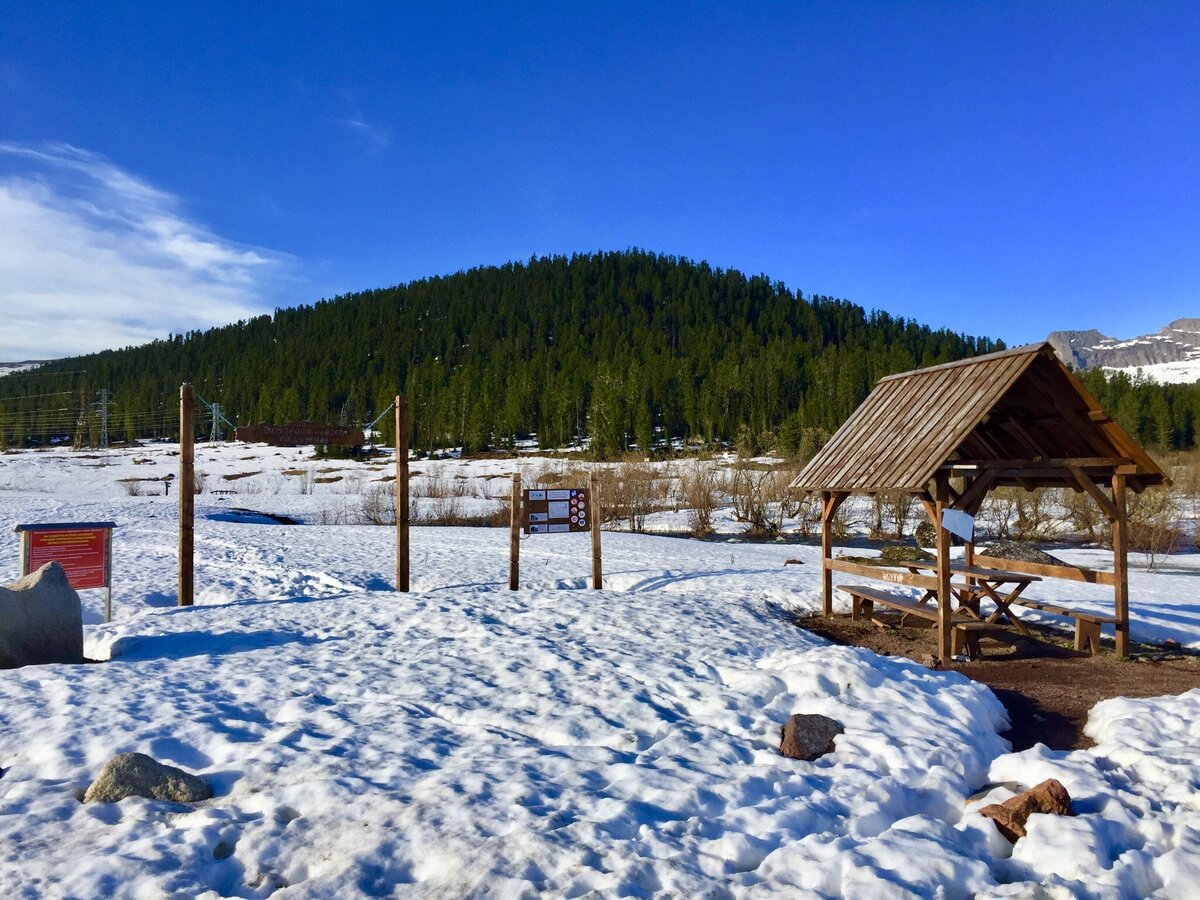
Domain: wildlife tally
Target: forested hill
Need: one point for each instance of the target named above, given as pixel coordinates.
(623, 347)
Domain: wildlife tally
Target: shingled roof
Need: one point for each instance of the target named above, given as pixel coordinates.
(1020, 413)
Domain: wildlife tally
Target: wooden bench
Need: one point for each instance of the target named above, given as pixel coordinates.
(1087, 625)
(965, 633)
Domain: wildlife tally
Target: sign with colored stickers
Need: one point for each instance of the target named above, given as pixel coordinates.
(557, 511)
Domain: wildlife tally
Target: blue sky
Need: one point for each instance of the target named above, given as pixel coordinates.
(1001, 168)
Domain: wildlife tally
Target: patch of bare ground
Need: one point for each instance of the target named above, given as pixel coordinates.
(1044, 684)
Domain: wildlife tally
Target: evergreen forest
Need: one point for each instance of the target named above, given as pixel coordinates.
(627, 349)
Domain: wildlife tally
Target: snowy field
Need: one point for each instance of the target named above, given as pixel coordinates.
(465, 740)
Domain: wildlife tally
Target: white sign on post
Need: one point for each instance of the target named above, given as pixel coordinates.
(959, 524)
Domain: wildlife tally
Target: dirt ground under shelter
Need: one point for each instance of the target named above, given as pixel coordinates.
(1044, 684)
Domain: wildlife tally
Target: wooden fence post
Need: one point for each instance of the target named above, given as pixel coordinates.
(402, 517)
(1120, 543)
(514, 535)
(595, 519)
(945, 600)
(187, 491)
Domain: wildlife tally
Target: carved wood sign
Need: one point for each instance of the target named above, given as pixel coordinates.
(298, 434)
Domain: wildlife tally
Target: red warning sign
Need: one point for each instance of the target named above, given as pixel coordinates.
(82, 552)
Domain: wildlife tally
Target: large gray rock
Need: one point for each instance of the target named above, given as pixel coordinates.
(139, 775)
(808, 736)
(41, 620)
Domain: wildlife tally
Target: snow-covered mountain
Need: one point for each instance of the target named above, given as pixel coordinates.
(1172, 356)
(8, 368)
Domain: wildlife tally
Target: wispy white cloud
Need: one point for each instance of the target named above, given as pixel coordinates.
(93, 257)
(374, 138)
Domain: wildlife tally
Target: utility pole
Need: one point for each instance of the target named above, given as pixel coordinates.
(104, 395)
(214, 433)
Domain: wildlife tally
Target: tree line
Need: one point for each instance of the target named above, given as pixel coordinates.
(626, 349)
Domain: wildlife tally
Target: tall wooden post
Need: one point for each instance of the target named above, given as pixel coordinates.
(402, 523)
(595, 518)
(1120, 543)
(944, 599)
(514, 535)
(826, 554)
(187, 491)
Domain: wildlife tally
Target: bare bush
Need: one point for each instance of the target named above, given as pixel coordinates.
(808, 514)
(1155, 524)
(698, 490)
(133, 487)
(199, 480)
(1084, 515)
(378, 505)
(631, 493)
(1036, 520)
(999, 512)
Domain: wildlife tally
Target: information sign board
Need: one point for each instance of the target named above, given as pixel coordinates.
(556, 511)
(83, 549)
(299, 434)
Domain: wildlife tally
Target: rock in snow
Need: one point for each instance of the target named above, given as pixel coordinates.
(1010, 816)
(41, 620)
(139, 775)
(809, 737)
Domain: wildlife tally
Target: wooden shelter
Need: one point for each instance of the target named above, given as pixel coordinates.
(949, 434)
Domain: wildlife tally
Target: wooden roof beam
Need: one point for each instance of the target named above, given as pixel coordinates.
(1106, 506)
(1078, 462)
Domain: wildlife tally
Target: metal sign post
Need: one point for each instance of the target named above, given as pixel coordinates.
(83, 549)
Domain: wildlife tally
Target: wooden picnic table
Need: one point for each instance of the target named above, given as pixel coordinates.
(992, 583)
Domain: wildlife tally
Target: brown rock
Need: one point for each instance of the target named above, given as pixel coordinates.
(139, 775)
(808, 737)
(1049, 797)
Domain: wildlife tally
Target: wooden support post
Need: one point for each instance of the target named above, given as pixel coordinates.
(830, 501)
(945, 600)
(402, 547)
(1120, 543)
(187, 491)
(514, 535)
(595, 514)
(826, 553)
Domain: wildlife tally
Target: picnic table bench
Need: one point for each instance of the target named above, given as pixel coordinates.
(863, 599)
(1087, 624)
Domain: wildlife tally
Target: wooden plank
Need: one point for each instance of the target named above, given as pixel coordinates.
(1067, 573)
(187, 492)
(1062, 610)
(890, 575)
(1120, 542)
(1081, 462)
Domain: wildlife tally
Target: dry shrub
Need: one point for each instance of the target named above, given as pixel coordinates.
(1155, 524)
(698, 489)
(378, 505)
(133, 487)
(1083, 514)
(762, 498)
(808, 514)
(629, 492)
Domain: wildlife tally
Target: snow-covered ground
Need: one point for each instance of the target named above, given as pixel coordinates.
(465, 740)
